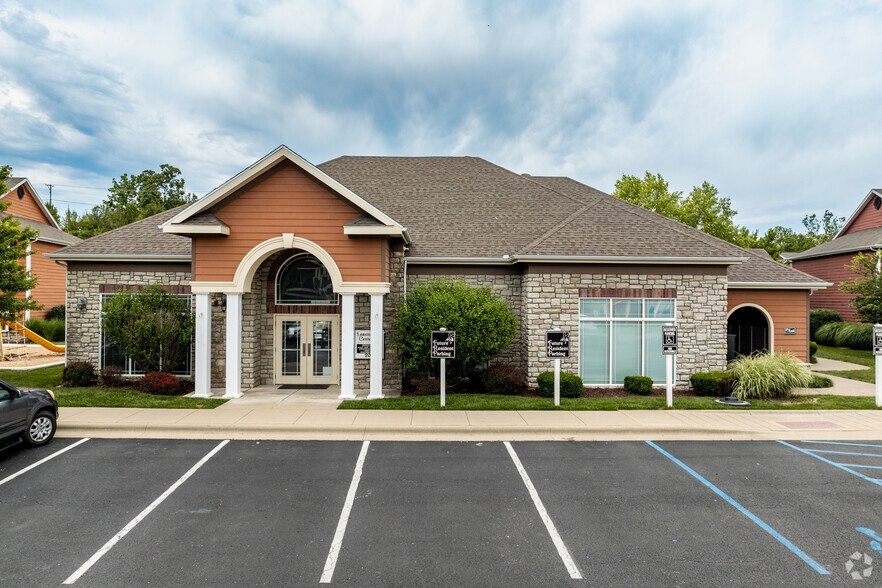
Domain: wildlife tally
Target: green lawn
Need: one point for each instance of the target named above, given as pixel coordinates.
(50, 377)
(495, 402)
(844, 354)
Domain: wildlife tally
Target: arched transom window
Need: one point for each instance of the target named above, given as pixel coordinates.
(304, 280)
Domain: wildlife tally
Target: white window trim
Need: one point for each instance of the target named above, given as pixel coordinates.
(643, 319)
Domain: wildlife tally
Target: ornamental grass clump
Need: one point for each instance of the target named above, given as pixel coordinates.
(852, 335)
(764, 376)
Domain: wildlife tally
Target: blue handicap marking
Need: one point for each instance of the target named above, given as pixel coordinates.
(876, 544)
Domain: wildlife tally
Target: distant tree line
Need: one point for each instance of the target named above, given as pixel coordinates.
(704, 209)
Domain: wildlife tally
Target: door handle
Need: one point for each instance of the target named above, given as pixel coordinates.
(304, 350)
(310, 349)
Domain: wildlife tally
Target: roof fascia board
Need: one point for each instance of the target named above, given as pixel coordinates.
(857, 211)
(39, 200)
(778, 285)
(185, 229)
(576, 258)
(276, 156)
(111, 257)
(836, 252)
(42, 239)
(384, 230)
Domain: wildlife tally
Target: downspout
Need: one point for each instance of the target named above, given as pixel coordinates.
(406, 249)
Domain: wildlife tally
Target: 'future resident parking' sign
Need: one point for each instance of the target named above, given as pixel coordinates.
(443, 344)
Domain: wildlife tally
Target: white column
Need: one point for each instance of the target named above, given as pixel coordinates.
(27, 316)
(234, 346)
(202, 373)
(347, 346)
(377, 342)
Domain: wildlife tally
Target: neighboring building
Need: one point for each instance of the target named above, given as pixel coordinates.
(26, 206)
(861, 233)
(286, 261)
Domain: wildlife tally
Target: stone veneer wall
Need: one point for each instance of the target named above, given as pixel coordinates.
(84, 327)
(507, 287)
(552, 300)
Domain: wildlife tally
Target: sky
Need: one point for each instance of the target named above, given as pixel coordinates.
(776, 103)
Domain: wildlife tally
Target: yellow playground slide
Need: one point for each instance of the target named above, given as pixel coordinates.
(33, 336)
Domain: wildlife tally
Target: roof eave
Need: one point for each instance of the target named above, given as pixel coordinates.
(625, 259)
(185, 229)
(778, 285)
(61, 256)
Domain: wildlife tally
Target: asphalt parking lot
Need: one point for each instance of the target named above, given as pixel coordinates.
(105, 512)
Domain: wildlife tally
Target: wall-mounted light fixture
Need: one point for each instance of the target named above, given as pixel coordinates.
(81, 304)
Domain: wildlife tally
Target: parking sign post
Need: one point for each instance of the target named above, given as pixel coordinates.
(877, 351)
(443, 347)
(557, 346)
(669, 349)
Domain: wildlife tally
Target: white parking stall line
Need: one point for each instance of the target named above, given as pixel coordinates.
(336, 544)
(562, 550)
(42, 461)
(134, 522)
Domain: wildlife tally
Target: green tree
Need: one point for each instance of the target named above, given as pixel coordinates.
(14, 277)
(823, 229)
(129, 199)
(483, 322)
(867, 287)
(152, 327)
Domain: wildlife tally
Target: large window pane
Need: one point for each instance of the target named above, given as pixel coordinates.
(594, 307)
(594, 352)
(659, 308)
(628, 308)
(304, 280)
(627, 350)
(655, 361)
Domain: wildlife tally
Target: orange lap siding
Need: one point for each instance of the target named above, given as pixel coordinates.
(788, 308)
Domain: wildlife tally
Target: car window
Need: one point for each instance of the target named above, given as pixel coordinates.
(5, 394)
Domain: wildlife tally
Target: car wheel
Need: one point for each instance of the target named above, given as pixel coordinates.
(41, 430)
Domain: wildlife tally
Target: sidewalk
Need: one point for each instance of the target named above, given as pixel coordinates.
(321, 420)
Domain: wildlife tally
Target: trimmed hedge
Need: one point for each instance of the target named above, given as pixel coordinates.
(841, 334)
(641, 385)
(712, 383)
(160, 384)
(78, 374)
(818, 317)
(570, 385)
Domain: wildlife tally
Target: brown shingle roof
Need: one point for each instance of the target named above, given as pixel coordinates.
(141, 239)
(857, 241)
(47, 233)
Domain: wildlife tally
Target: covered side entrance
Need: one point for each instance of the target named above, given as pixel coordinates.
(748, 332)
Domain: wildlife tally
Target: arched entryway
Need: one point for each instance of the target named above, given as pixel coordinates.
(748, 331)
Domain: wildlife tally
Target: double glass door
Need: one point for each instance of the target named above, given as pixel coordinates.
(307, 349)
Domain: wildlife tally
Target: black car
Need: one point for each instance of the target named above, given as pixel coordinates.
(26, 414)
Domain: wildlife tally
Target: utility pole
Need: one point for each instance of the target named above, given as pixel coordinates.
(50, 186)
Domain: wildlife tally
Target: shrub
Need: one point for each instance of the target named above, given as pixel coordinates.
(570, 385)
(152, 326)
(818, 317)
(52, 330)
(56, 312)
(841, 334)
(820, 382)
(502, 378)
(111, 377)
(78, 374)
(813, 348)
(768, 376)
(428, 388)
(641, 385)
(712, 383)
(160, 384)
(483, 322)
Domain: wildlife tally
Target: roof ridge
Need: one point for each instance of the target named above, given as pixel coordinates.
(531, 179)
(547, 234)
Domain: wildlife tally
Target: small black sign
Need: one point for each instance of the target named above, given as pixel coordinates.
(557, 344)
(669, 340)
(877, 340)
(443, 344)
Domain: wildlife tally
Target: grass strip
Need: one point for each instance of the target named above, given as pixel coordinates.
(495, 402)
(844, 354)
(50, 377)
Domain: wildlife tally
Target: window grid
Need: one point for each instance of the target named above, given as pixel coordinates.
(643, 319)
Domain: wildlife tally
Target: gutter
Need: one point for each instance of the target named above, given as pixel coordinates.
(106, 257)
(778, 285)
(836, 252)
(509, 260)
